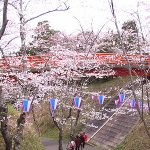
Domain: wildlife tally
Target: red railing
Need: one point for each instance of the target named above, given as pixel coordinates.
(116, 60)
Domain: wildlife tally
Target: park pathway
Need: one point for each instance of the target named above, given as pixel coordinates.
(53, 145)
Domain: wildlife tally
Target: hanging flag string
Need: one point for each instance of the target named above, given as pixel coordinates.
(77, 103)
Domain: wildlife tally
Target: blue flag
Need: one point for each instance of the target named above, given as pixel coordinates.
(101, 99)
(26, 105)
(121, 97)
(77, 101)
(53, 103)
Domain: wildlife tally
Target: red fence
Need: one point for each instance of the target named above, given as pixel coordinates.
(118, 61)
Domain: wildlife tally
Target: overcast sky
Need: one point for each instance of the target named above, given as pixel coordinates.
(90, 13)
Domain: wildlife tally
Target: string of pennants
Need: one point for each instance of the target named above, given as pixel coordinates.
(77, 102)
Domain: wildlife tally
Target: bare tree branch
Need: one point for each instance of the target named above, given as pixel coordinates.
(10, 41)
(80, 26)
(27, 5)
(13, 6)
(57, 9)
(4, 22)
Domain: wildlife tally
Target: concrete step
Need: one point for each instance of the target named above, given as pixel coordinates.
(125, 125)
(105, 144)
(108, 137)
(115, 131)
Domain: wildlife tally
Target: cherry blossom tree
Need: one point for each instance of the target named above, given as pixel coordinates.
(22, 85)
(59, 81)
(121, 41)
(22, 8)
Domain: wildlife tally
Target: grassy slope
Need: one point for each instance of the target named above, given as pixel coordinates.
(30, 140)
(108, 84)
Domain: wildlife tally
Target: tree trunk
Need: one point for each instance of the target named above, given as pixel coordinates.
(19, 132)
(60, 128)
(4, 128)
(76, 121)
(4, 21)
(4, 123)
(23, 38)
(61, 139)
(142, 111)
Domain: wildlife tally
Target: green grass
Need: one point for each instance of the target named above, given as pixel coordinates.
(31, 142)
(12, 111)
(1, 143)
(51, 133)
(107, 84)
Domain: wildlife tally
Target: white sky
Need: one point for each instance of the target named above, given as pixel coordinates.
(91, 14)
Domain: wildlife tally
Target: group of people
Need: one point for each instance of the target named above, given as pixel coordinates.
(77, 142)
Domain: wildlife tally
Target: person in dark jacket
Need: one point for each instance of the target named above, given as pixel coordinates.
(77, 142)
(82, 140)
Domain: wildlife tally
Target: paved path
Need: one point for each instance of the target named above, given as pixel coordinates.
(53, 145)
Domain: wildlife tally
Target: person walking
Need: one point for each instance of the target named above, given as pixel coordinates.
(77, 142)
(71, 145)
(85, 138)
(82, 140)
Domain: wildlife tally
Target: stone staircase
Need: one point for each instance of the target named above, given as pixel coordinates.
(99, 123)
(113, 130)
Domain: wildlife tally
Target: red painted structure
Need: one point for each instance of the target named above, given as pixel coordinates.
(140, 64)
